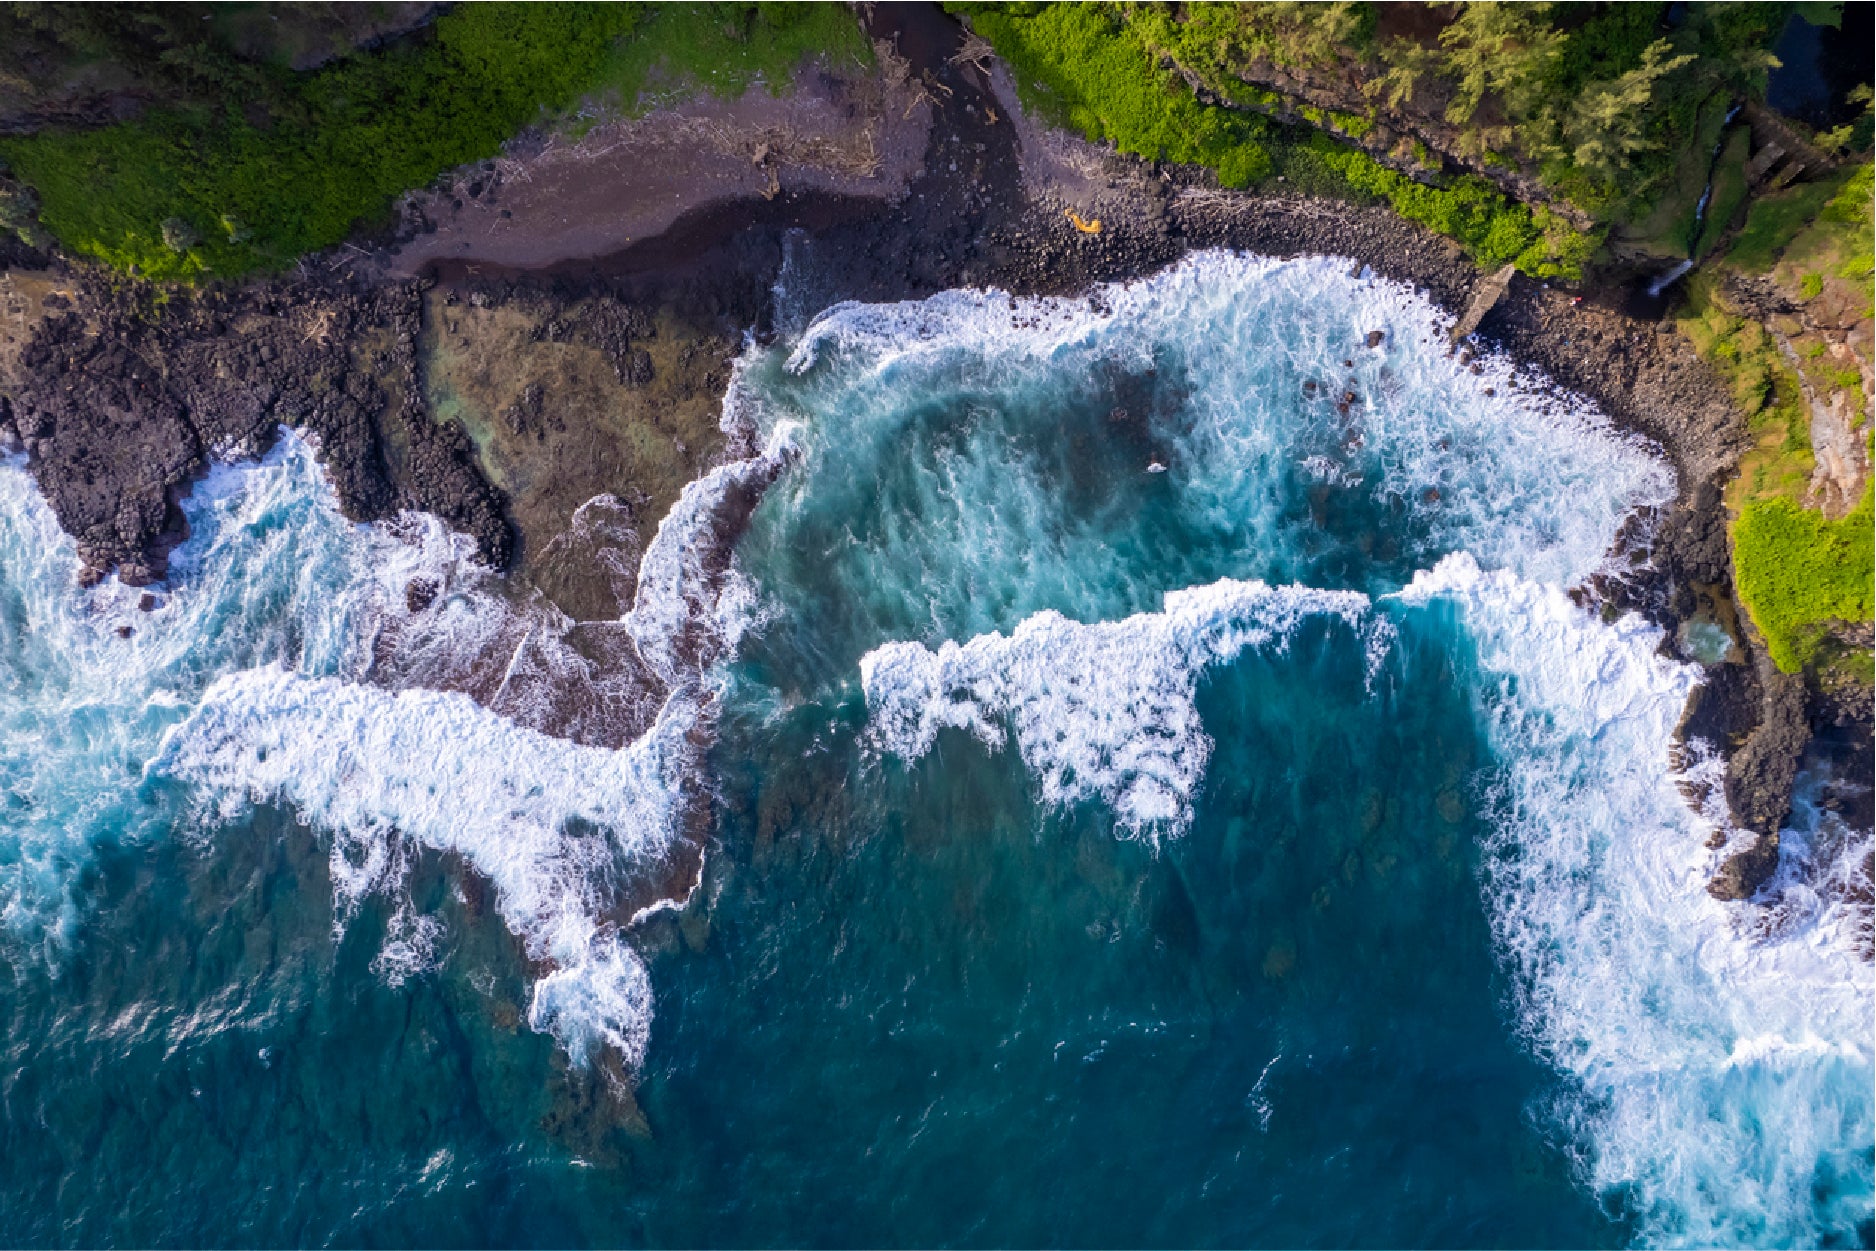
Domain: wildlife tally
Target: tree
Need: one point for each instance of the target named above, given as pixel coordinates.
(1607, 126)
(1505, 49)
(1409, 64)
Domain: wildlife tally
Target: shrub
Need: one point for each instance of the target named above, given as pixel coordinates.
(1798, 571)
(1243, 165)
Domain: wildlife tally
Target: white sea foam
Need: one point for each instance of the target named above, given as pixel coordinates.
(1099, 711)
(1724, 1067)
(555, 825)
(1720, 1052)
(89, 682)
(686, 591)
(549, 823)
(1526, 477)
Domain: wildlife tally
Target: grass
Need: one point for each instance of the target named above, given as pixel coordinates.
(1779, 462)
(289, 163)
(1798, 571)
(1084, 66)
(1777, 219)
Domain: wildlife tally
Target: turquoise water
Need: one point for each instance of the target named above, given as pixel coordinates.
(1159, 802)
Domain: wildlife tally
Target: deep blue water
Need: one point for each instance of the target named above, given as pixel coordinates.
(1155, 806)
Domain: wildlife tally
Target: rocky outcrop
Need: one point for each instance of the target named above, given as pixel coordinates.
(1485, 298)
(119, 399)
(1759, 779)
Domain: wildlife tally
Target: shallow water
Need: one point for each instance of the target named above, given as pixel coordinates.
(1159, 803)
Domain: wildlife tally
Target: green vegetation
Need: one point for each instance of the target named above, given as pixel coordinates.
(280, 163)
(1779, 463)
(1776, 219)
(1492, 228)
(1599, 98)
(1611, 108)
(1092, 67)
(1667, 228)
(1729, 191)
(1084, 67)
(1797, 571)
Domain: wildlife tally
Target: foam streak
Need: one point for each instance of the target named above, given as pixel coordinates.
(1100, 710)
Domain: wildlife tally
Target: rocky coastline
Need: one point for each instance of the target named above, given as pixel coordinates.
(120, 395)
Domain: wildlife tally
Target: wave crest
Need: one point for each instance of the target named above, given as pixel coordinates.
(1103, 711)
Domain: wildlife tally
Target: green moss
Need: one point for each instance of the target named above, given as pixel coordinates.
(1776, 219)
(290, 163)
(1798, 571)
(1729, 190)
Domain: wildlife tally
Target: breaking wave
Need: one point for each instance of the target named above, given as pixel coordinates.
(1285, 370)
(94, 676)
(1724, 1073)
(1099, 711)
(1318, 434)
(552, 825)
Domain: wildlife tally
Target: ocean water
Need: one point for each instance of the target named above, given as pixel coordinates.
(1162, 794)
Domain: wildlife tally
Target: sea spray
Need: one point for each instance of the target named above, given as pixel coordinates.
(556, 826)
(1098, 711)
(970, 534)
(1724, 1073)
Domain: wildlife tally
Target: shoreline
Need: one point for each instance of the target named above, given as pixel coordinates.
(986, 206)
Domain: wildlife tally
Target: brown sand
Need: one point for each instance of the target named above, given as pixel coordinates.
(553, 198)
